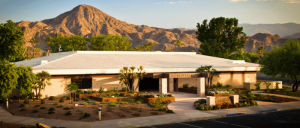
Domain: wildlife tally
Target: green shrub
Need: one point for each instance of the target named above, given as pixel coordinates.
(86, 99)
(102, 102)
(55, 103)
(124, 103)
(85, 104)
(119, 99)
(66, 108)
(124, 89)
(26, 102)
(169, 111)
(162, 109)
(43, 108)
(86, 115)
(68, 113)
(43, 101)
(23, 109)
(76, 99)
(130, 100)
(35, 111)
(22, 105)
(96, 103)
(257, 85)
(219, 85)
(268, 84)
(52, 98)
(36, 106)
(186, 85)
(61, 100)
(101, 105)
(91, 102)
(112, 104)
(194, 88)
(23, 126)
(138, 102)
(51, 109)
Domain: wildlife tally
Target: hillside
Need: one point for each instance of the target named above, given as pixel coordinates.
(88, 21)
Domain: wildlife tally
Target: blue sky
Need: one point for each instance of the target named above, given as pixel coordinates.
(160, 13)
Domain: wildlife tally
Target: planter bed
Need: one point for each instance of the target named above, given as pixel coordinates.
(112, 99)
(152, 100)
(188, 90)
(276, 99)
(200, 106)
(86, 95)
(216, 95)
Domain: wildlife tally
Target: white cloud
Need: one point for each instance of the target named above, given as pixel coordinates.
(237, 0)
(158, 3)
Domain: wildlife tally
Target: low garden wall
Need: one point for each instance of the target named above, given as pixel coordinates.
(112, 99)
(250, 86)
(152, 100)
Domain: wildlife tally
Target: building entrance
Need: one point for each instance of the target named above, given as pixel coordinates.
(149, 84)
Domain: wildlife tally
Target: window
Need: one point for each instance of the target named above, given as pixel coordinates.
(83, 83)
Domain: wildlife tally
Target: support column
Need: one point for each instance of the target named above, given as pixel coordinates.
(201, 86)
(175, 80)
(135, 84)
(163, 85)
(210, 101)
(170, 85)
(234, 99)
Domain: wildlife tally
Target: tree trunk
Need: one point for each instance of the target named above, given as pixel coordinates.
(75, 98)
(33, 51)
(138, 84)
(179, 48)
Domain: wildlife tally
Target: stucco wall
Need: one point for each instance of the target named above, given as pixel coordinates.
(235, 79)
(106, 81)
(58, 87)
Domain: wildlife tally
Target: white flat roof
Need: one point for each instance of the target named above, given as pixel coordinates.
(110, 62)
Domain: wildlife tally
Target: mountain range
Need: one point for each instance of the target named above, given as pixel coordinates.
(88, 21)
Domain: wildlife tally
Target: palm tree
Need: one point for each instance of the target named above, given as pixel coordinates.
(34, 42)
(178, 44)
(44, 78)
(47, 40)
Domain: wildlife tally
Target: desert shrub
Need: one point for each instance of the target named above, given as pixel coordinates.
(101, 105)
(194, 88)
(138, 102)
(43, 101)
(22, 105)
(66, 108)
(119, 99)
(36, 106)
(89, 91)
(91, 102)
(101, 90)
(112, 104)
(130, 100)
(102, 102)
(202, 101)
(85, 104)
(68, 113)
(61, 100)
(23, 109)
(86, 115)
(26, 102)
(257, 85)
(86, 99)
(51, 109)
(219, 85)
(52, 98)
(68, 98)
(35, 111)
(124, 89)
(96, 103)
(80, 92)
(169, 111)
(23, 126)
(55, 103)
(268, 84)
(186, 85)
(124, 103)
(43, 108)
(162, 109)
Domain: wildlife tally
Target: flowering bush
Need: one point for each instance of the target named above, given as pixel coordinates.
(223, 106)
(219, 91)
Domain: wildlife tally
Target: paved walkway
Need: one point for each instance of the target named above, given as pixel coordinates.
(183, 108)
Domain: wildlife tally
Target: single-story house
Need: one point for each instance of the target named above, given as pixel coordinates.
(166, 71)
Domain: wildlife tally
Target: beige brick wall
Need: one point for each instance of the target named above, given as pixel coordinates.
(190, 81)
(106, 81)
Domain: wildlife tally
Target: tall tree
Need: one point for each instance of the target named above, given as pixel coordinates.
(120, 42)
(283, 61)
(260, 50)
(11, 42)
(8, 78)
(178, 44)
(149, 45)
(44, 78)
(26, 79)
(47, 40)
(101, 43)
(129, 74)
(72, 87)
(34, 42)
(221, 37)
